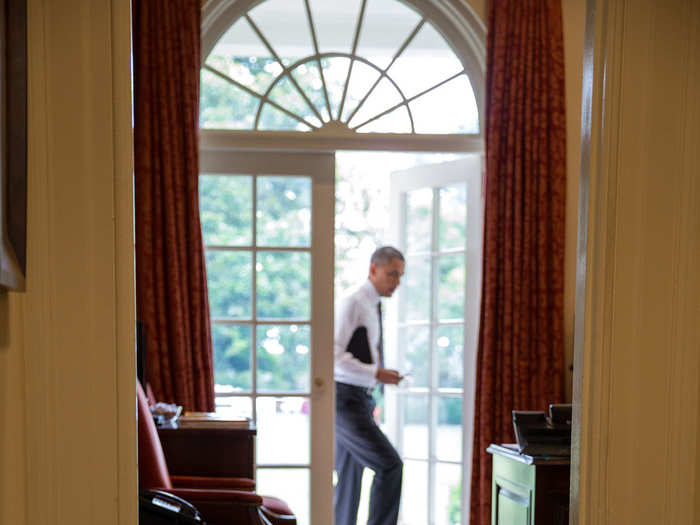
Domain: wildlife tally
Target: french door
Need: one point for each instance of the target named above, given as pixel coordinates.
(267, 221)
(437, 222)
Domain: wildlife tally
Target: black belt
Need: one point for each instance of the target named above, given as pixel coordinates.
(367, 390)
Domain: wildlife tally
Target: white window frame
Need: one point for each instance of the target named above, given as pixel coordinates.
(466, 171)
(321, 169)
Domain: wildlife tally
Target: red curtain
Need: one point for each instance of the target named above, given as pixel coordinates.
(171, 286)
(520, 362)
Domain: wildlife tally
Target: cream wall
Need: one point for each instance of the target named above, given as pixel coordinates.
(638, 350)
(480, 7)
(67, 396)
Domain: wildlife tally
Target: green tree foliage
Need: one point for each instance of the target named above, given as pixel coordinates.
(226, 209)
(229, 277)
(284, 211)
(454, 513)
(232, 355)
(224, 105)
(450, 411)
(282, 279)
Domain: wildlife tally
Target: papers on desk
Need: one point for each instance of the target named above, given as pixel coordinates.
(211, 420)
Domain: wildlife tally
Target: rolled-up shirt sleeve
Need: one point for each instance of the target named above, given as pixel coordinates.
(348, 368)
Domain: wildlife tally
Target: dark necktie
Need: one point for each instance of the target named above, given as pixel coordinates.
(380, 346)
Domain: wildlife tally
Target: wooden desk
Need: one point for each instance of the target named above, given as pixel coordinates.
(528, 490)
(210, 451)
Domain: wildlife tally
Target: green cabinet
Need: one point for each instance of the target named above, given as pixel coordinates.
(528, 490)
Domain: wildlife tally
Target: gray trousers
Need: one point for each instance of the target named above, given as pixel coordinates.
(360, 443)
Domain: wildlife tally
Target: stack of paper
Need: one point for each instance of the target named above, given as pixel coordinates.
(211, 420)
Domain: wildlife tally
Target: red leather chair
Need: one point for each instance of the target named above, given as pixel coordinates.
(222, 501)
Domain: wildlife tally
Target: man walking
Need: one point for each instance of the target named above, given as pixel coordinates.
(359, 367)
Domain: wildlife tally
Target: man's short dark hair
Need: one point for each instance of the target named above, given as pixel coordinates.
(384, 254)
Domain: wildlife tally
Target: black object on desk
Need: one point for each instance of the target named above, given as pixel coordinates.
(560, 414)
(538, 435)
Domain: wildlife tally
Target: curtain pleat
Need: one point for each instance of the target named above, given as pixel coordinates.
(171, 286)
(520, 360)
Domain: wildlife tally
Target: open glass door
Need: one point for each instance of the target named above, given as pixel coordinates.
(267, 220)
(437, 223)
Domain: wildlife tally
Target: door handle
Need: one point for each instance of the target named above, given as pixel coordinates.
(319, 386)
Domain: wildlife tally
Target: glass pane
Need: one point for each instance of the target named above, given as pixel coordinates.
(335, 71)
(365, 495)
(453, 217)
(419, 206)
(284, 211)
(242, 56)
(273, 118)
(428, 53)
(416, 298)
(234, 406)
(379, 40)
(232, 349)
(414, 493)
(451, 287)
(223, 105)
(362, 78)
(416, 345)
(448, 494)
(283, 285)
(283, 430)
(449, 430)
(415, 427)
(284, 358)
(450, 349)
(290, 485)
(450, 108)
(309, 79)
(229, 280)
(226, 209)
(285, 25)
(288, 96)
(396, 121)
(335, 22)
(382, 98)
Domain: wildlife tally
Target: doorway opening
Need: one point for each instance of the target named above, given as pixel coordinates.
(310, 105)
(429, 206)
(257, 226)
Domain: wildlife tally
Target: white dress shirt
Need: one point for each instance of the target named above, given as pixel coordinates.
(359, 309)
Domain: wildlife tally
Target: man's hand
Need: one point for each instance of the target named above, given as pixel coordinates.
(387, 376)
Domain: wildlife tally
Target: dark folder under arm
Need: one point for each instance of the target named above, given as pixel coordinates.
(359, 345)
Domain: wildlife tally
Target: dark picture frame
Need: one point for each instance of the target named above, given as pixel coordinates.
(13, 144)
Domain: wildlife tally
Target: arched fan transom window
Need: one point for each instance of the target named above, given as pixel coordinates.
(360, 66)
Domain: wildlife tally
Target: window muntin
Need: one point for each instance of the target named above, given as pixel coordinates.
(290, 65)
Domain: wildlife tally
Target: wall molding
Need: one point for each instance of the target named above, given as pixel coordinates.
(637, 341)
